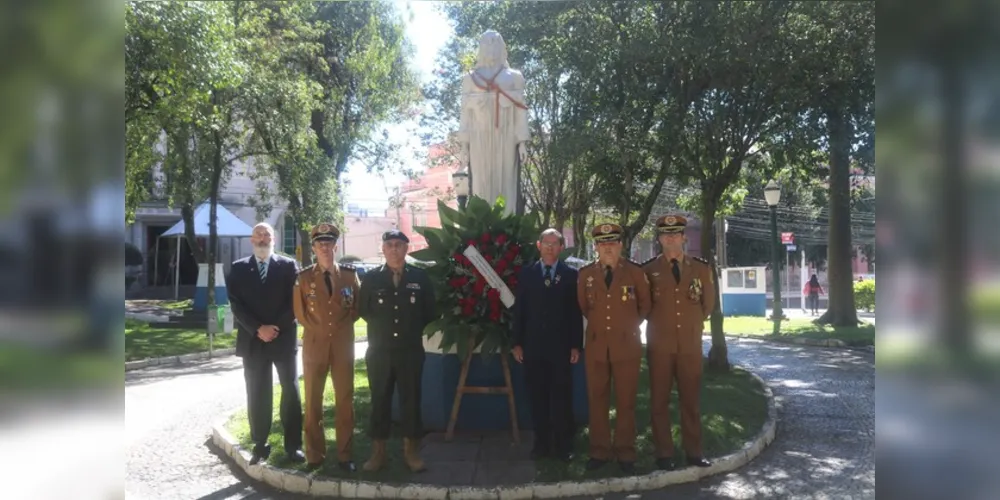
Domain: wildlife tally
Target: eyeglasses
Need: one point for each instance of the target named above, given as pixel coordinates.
(549, 244)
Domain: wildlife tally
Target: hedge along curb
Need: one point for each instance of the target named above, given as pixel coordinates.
(183, 358)
(302, 483)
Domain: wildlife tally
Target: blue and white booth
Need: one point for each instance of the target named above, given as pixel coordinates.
(743, 291)
(480, 411)
(227, 225)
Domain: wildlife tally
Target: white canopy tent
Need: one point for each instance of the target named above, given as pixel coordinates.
(227, 226)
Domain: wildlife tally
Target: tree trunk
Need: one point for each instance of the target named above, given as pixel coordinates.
(952, 244)
(580, 233)
(306, 248)
(718, 355)
(841, 311)
(187, 215)
(213, 227)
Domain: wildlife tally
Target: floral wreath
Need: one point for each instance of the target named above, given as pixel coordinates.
(473, 314)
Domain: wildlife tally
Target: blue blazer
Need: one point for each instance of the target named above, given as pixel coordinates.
(547, 319)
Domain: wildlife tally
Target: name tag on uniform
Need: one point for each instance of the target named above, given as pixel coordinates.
(413, 286)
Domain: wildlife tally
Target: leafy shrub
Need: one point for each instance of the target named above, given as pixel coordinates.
(864, 295)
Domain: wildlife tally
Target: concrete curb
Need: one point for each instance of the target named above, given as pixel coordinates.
(173, 360)
(146, 317)
(800, 341)
(299, 482)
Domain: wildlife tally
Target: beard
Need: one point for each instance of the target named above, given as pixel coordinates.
(263, 251)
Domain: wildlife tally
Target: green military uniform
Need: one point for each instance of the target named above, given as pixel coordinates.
(396, 315)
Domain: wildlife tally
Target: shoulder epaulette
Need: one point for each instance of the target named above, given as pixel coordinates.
(307, 268)
(591, 264)
(634, 263)
(651, 259)
(346, 267)
(700, 259)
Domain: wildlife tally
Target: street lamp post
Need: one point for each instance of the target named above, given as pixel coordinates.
(460, 181)
(772, 193)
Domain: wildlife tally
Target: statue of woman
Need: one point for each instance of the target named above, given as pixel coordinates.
(493, 127)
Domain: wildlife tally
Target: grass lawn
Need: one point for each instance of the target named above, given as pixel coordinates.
(861, 335)
(142, 341)
(733, 411)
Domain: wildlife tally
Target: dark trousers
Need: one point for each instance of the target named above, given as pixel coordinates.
(260, 397)
(550, 385)
(400, 370)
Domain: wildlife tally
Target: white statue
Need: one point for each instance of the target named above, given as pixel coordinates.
(493, 128)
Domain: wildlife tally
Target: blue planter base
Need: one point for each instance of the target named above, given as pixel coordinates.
(200, 301)
(482, 411)
(744, 304)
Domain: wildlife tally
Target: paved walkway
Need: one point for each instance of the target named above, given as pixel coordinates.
(824, 448)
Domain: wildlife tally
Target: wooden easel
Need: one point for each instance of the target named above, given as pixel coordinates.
(507, 388)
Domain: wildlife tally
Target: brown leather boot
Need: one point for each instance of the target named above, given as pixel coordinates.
(411, 455)
(377, 461)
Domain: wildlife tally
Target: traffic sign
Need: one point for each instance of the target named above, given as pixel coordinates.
(787, 238)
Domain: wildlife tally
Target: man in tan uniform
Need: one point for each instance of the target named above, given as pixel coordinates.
(614, 296)
(683, 290)
(325, 304)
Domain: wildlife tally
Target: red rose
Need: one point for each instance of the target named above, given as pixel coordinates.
(478, 286)
(471, 243)
(501, 239)
(462, 280)
(517, 268)
(493, 294)
(455, 283)
(495, 316)
(488, 259)
(512, 282)
(467, 310)
(501, 266)
(485, 238)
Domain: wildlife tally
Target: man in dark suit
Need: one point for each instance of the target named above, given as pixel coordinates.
(260, 294)
(548, 336)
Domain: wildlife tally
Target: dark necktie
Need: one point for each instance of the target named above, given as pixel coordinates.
(607, 276)
(676, 270)
(263, 271)
(329, 283)
(548, 273)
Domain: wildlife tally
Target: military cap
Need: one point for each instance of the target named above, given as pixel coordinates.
(395, 234)
(607, 232)
(671, 224)
(325, 232)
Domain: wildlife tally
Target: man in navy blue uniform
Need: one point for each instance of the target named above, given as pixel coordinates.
(548, 337)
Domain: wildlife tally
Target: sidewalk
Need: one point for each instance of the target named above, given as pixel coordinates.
(488, 458)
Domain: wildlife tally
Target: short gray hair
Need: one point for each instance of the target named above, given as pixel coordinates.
(265, 225)
(552, 232)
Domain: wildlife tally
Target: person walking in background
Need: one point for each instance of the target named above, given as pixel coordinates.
(812, 291)
(326, 305)
(548, 338)
(260, 295)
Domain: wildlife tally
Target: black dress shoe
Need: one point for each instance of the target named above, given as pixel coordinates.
(665, 464)
(627, 467)
(595, 463)
(260, 454)
(296, 457)
(698, 462)
(347, 466)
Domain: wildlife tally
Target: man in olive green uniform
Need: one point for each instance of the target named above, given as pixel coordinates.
(397, 301)
(614, 296)
(325, 300)
(683, 290)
